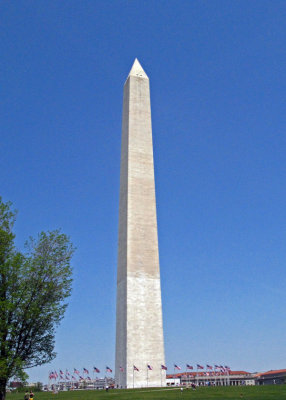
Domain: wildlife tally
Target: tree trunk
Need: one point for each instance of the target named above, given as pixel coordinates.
(3, 384)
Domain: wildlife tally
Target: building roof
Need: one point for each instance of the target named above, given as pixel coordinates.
(272, 372)
(194, 374)
(239, 373)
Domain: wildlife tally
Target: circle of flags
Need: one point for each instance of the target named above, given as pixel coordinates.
(61, 375)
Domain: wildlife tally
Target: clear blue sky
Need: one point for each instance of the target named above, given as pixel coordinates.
(218, 80)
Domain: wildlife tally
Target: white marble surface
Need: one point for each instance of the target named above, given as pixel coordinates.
(139, 328)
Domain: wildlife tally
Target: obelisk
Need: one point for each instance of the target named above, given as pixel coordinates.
(139, 327)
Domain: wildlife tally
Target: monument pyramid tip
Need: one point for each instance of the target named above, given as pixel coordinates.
(137, 70)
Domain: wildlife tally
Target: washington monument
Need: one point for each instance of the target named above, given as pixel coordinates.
(139, 327)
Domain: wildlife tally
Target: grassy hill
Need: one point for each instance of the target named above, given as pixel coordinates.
(269, 392)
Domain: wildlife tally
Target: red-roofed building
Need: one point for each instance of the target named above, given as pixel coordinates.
(273, 377)
(211, 378)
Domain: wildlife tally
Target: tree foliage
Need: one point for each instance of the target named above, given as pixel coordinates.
(33, 288)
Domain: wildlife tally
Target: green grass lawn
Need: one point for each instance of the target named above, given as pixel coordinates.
(269, 392)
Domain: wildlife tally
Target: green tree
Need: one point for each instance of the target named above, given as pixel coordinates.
(34, 286)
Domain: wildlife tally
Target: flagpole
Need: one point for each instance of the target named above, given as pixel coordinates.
(147, 375)
(187, 376)
(133, 376)
(224, 378)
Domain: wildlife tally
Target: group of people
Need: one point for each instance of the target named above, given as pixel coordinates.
(29, 396)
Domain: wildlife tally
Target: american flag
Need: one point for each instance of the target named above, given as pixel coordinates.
(67, 377)
(56, 374)
(209, 366)
(149, 367)
(121, 369)
(135, 368)
(216, 366)
(52, 375)
(164, 367)
(227, 368)
(108, 369)
(88, 378)
(177, 367)
(76, 371)
(85, 371)
(67, 373)
(189, 366)
(61, 372)
(73, 377)
(80, 377)
(96, 370)
(200, 366)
